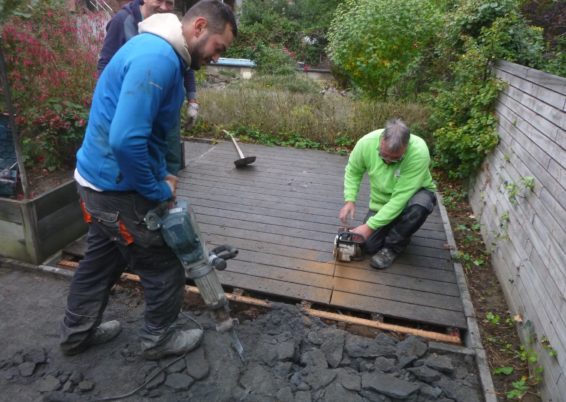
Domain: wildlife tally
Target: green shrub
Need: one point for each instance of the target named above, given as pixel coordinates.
(377, 42)
(463, 119)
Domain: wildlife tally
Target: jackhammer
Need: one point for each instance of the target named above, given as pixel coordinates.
(181, 233)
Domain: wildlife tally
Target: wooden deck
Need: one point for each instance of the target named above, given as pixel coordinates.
(281, 213)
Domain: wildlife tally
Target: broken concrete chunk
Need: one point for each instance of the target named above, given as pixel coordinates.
(388, 385)
(197, 364)
(26, 369)
(179, 381)
(425, 374)
(49, 384)
(440, 363)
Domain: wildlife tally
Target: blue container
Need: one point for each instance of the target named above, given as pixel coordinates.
(8, 165)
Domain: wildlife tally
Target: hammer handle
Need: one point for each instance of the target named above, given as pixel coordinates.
(236, 145)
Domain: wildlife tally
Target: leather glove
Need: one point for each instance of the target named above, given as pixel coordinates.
(192, 113)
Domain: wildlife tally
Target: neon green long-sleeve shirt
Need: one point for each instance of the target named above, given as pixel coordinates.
(391, 186)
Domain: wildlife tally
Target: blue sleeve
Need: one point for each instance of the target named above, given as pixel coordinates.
(146, 83)
(190, 84)
(113, 41)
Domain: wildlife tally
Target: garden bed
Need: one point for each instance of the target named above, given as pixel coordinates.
(36, 228)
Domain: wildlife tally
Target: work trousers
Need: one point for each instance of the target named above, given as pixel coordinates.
(397, 234)
(117, 238)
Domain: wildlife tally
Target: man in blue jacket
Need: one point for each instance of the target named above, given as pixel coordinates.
(121, 174)
(124, 26)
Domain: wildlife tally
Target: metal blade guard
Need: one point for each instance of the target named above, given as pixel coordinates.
(348, 246)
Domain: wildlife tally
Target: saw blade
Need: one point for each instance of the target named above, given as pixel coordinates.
(237, 345)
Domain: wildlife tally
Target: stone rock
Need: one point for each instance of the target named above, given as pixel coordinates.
(285, 395)
(49, 384)
(36, 356)
(319, 377)
(258, 379)
(85, 386)
(350, 379)
(425, 374)
(286, 350)
(177, 367)
(68, 386)
(64, 376)
(457, 390)
(373, 396)
(26, 369)
(282, 370)
(76, 377)
(18, 358)
(303, 396)
(179, 381)
(365, 366)
(346, 361)
(388, 385)
(5, 364)
(357, 346)
(303, 386)
(333, 347)
(314, 358)
(460, 372)
(157, 380)
(337, 393)
(440, 363)
(197, 364)
(384, 364)
(154, 393)
(409, 350)
(11, 373)
(314, 338)
(428, 392)
(385, 339)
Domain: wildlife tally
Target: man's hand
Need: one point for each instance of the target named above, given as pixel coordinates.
(172, 183)
(192, 113)
(363, 230)
(347, 212)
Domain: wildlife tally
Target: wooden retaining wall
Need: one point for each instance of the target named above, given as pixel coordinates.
(32, 230)
(520, 200)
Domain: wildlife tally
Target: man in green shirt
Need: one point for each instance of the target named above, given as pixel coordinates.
(401, 190)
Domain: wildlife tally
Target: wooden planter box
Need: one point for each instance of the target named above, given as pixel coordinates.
(33, 230)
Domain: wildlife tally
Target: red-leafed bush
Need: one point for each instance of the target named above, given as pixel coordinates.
(51, 58)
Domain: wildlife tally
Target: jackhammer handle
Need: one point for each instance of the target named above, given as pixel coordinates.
(225, 252)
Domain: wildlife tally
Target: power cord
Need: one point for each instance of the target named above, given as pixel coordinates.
(154, 375)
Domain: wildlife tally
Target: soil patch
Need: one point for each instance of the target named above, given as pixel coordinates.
(507, 358)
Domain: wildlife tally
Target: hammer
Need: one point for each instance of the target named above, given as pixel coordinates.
(244, 160)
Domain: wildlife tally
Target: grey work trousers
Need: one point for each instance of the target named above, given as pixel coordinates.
(397, 234)
(117, 238)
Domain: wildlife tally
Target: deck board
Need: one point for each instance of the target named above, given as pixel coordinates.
(281, 213)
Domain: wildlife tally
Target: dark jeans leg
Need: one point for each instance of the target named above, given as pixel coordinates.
(163, 279)
(419, 207)
(90, 288)
(397, 234)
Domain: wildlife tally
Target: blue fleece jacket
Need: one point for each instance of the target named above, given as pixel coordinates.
(135, 109)
(121, 28)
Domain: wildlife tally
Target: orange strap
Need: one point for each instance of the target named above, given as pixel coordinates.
(86, 216)
(125, 234)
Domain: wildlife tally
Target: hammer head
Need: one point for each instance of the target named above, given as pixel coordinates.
(248, 160)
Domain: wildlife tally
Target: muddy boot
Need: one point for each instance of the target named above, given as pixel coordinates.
(383, 258)
(106, 332)
(176, 343)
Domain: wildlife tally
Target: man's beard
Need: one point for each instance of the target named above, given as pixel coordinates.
(197, 58)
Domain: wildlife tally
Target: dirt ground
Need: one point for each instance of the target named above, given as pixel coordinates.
(497, 325)
(288, 356)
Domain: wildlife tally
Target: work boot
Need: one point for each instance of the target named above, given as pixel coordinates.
(383, 258)
(106, 332)
(178, 343)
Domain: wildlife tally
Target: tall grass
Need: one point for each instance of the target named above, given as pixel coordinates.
(324, 118)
